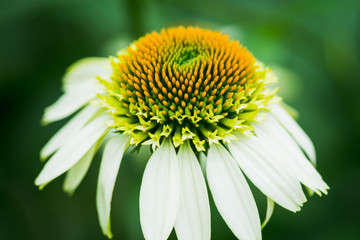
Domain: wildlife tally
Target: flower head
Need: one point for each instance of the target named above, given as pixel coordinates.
(186, 84)
(192, 94)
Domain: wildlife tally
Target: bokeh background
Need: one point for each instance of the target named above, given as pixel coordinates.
(313, 45)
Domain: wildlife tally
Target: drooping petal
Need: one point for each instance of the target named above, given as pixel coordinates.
(109, 168)
(160, 193)
(76, 174)
(278, 139)
(86, 70)
(69, 102)
(295, 130)
(269, 212)
(68, 131)
(70, 153)
(232, 195)
(80, 86)
(193, 220)
(262, 166)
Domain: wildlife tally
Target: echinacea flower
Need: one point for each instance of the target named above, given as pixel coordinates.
(205, 106)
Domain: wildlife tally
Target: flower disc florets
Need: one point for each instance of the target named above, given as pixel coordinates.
(186, 83)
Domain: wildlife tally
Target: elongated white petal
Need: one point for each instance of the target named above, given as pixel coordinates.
(80, 86)
(262, 166)
(202, 160)
(295, 130)
(86, 70)
(278, 139)
(109, 168)
(193, 220)
(160, 193)
(232, 194)
(68, 103)
(269, 212)
(68, 131)
(76, 174)
(68, 155)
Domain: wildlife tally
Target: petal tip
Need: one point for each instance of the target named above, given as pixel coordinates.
(44, 122)
(68, 191)
(43, 156)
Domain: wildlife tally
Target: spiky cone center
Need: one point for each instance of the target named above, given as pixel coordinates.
(186, 84)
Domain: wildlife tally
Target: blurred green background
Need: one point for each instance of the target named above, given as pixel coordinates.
(313, 45)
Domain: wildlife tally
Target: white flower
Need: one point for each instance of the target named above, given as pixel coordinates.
(260, 140)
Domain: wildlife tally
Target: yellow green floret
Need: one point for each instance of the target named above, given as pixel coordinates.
(186, 84)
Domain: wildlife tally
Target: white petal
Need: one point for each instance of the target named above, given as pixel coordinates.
(86, 70)
(278, 139)
(202, 160)
(232, 194)
(68, 131)
(269, 212)
(69, 154)
(80, 86)
(193, 220)
(76, 174)
(295, 130)
(264, 169)
(109, 168)
(69, 102)
(160, 193)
